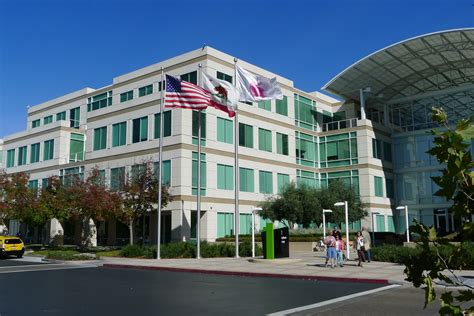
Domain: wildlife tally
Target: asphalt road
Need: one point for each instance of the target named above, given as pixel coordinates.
(107, 291)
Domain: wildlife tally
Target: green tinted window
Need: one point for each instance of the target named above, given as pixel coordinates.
(35, 152)
(225, 130)
(246, 177)
(126, 96)
(265, 182)
(225, 177)
(167, 124)
(10, 158)
(76, 147)
(282, 181)
(61, 116)
(166, 169)
(282, 144)
(264, 140)
(74, 117)
(387, 151)
(378, 186)
(195, 127)
(140, 129)
(203, 174)
(143, 91)
(223, 76)
(281, 106)
(99, 101)
(100, 138)
(47, 119)
(376, 148)
(117, 178)
(190, 77)
(266, 105)
(119, 134)
(48, 149)
(245, 135)
(22, 156)
(36, 123)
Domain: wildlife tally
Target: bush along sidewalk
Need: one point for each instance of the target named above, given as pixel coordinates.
(188, 250)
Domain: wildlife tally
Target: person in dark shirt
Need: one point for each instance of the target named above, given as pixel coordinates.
(336, 232)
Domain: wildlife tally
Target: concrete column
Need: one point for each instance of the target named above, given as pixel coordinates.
(111, 232)
(386, 115)
(362, 104)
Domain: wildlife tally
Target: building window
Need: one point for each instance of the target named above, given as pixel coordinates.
(166, 170)
(265, 104)
(68, 176)
(47, 119)
(282, 144)
(225, 177)
(137, 171)
(167, 124)
(246, 177)
(264, 140)
(48, 150)
(117, 178)
(119, 134)
(282, 181)
(100, 101)
(389, 187)
(223, 76)
(33, 185)
(305, 113)
(140, 129)
(338, 150)
(387, 151)
(225, 224)
(74, 117)
(22, 156)
(76, 147)
(306, 149)
(245, 135)
(61, 116)
(196, 125)
(190, 77)
(100, 138)
(36, 123)
(126, 96)
(349, 178)
(281, 106)
(225, 130)
(203, 174)
(378, 186)
(45, 183)
(265, 182)
(307, 178)
(10, 158)
(380, 221)
(376, 148)
(146, 90)
(34, 153)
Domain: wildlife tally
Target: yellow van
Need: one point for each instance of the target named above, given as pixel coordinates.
(11, 246)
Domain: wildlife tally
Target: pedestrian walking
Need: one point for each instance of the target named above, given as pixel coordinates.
(339, 252)
(359, 246)
(367, 243)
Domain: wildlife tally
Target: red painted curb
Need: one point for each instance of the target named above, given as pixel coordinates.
(250, 274)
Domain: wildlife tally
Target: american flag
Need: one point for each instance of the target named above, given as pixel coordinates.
(182, 94)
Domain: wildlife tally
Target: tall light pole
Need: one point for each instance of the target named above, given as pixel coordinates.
(406, 219)
(346, 209)
(324, 222)
(373, 226)
(254, 211)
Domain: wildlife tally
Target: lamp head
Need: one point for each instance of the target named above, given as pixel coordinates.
(339, 204)
(327, 211)
(257, 209)
(400, 207)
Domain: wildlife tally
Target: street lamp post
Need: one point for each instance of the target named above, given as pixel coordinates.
(406, 219)
(255, 210)
(346, 209)
(324, 222)
(373, 226)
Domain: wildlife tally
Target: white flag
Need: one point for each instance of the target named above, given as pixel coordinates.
(224, 96)
(257, 88)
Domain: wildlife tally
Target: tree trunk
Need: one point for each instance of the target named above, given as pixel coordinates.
(130, 226)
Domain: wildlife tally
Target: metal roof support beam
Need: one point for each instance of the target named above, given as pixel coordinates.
(432, 94)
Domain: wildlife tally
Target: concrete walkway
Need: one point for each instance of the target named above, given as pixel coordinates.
(302, 265)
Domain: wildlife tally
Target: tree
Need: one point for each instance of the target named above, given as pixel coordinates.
(457, 185)
(139, 195)
(303, 204)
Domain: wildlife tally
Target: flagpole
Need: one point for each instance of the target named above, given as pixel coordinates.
(236, 171)
(198, 221)
(160, 166)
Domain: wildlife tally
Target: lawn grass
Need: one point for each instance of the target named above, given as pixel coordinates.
(110, 253)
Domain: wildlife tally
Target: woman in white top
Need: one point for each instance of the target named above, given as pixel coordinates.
(359, 245)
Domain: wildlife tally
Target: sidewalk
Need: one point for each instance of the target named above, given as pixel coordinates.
(301, 265)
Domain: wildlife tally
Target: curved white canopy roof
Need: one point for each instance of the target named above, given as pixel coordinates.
(416, 66)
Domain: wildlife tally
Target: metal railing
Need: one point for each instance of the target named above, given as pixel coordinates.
(334, 126)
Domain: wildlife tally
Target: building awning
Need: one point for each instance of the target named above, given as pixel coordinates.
(418, 66)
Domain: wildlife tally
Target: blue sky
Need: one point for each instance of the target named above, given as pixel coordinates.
(52, 47)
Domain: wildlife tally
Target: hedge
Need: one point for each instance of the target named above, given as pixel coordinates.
(463, 255)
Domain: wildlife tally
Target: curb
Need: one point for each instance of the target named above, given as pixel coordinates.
(250, 274)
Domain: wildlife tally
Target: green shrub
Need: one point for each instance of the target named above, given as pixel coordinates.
(132, 251)
(177, 250)
(245, 249)
(67, 255)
